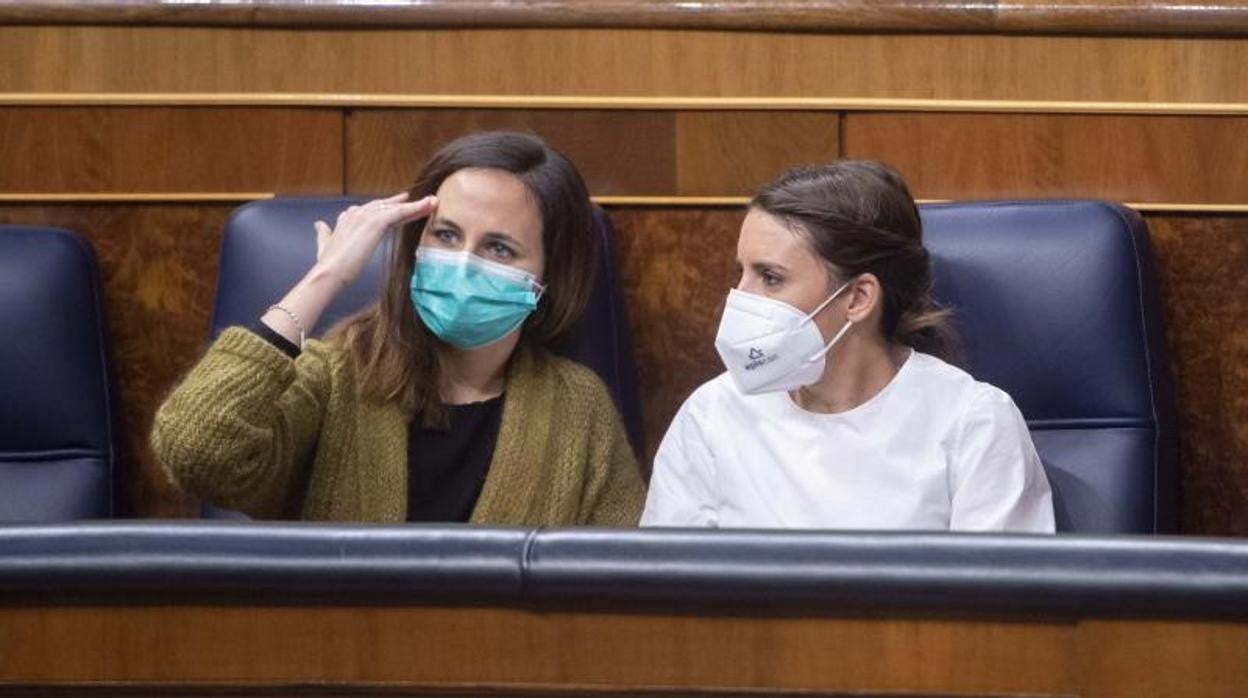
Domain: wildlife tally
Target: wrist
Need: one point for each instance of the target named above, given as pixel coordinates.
(279, 310)
(326, 278)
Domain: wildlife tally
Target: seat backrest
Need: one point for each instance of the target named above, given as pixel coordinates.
(56, 439)
(267, 246)
(1056, 303)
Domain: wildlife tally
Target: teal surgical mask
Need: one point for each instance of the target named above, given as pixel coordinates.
(468, 301)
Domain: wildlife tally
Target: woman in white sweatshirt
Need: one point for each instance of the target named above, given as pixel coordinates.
(839, 409)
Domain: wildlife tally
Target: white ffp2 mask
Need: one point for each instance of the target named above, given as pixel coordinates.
(768, 345)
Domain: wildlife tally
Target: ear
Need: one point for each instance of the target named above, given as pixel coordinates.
(866, 298)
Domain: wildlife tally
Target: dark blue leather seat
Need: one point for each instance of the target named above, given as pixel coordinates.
(56, 418)
(1057, 304)
(267, 246)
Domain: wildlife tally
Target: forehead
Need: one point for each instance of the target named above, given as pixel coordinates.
(487, 200)
(765, 237)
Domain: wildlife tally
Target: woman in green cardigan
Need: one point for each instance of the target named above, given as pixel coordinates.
(440, 402)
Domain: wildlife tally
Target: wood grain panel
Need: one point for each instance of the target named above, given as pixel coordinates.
(1191, 159)
(158, 267)
(677, 266)
(1131, 659)
(940, 16)
(616, 151)
(55, 59)
(67, 149)
(733, 153)
(1203, 268)
(495, 646)
(628, 153)
(147, 690)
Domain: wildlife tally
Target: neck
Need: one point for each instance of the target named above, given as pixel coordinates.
(858, 368)
(474, 375)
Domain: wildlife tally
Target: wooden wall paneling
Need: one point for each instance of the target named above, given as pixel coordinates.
(486, 646)
(152, 149)
(620, 153)
(1147, 659)
(920, 16)
(677, 266)
(158, 267)
(616, 151)
(625, 62)
(733, 153)
(1203, 268)
(1179, 159)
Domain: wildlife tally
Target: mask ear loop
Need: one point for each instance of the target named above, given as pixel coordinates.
(841, 333)
(837, 338)
(824, 304)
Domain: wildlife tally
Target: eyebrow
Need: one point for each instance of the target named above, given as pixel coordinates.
(758, 266)
(493, 235)
(439, 220)
(504, 237)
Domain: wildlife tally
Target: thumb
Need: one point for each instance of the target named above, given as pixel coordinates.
(323, 231)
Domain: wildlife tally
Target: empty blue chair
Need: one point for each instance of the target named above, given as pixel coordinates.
(57, 457)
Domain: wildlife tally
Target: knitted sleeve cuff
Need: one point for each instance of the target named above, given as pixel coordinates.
(245, 344)
(271, 336)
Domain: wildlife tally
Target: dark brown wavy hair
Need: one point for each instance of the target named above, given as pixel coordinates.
(395, 355)
(860, 218)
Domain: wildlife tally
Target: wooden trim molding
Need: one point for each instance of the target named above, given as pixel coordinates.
(609, 200)
(729, 201)
(674, 201)
(609, 102)
(132, 197)
(1086, 17)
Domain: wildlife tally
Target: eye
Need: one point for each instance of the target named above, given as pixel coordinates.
(446, 236)
(501, 251)
(770, 278)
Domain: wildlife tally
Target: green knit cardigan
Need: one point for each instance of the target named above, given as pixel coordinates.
(251, 429)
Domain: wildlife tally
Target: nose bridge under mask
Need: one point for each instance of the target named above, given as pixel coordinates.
(468, 263)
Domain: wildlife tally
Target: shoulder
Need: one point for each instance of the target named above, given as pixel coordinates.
(955, 399)
(571, 378)
(715, 400)
(934, 373)
(569, 385)
(988, 405)
(713, 394)
(978, 405)
(948, 388)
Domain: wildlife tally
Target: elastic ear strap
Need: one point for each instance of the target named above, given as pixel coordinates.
(837, 338)
(826, 301)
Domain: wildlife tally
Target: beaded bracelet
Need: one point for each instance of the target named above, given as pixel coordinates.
(293, 318)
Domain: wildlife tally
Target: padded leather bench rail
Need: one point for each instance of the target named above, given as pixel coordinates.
(814, 571)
